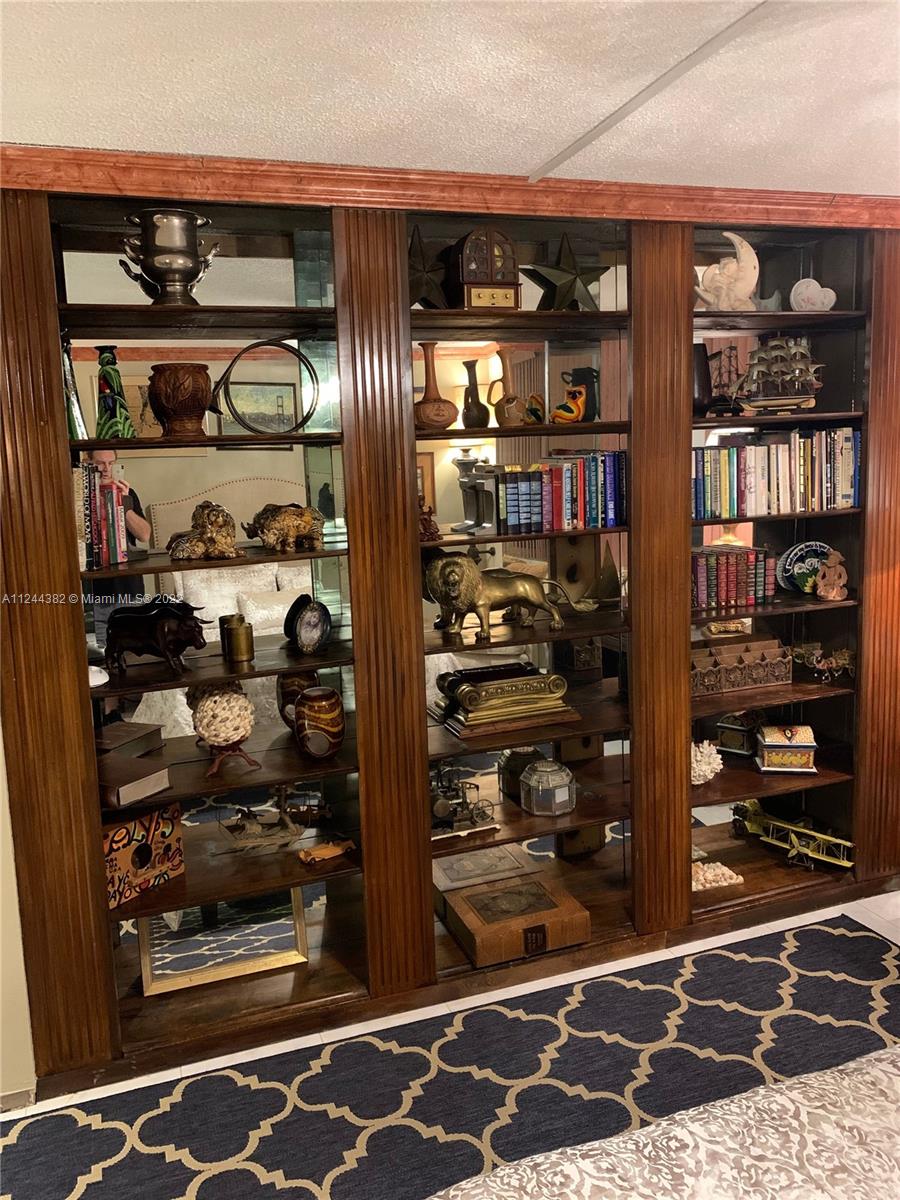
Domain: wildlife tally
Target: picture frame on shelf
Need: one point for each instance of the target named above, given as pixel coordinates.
(425, 483)
(272, 404)
(205, 944)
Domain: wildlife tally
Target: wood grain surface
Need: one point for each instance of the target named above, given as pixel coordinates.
(47, 729)
(382, 521)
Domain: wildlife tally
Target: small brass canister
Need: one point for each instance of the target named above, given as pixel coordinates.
(239, 642)
(225, 622)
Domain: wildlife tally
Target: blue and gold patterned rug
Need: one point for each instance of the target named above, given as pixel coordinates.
(400, 1114)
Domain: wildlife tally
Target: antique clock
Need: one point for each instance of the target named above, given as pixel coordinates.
(484, 271)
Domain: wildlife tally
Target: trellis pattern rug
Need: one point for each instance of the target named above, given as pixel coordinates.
(400, 1114)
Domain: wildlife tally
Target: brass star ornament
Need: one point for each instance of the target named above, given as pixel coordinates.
(563, 285)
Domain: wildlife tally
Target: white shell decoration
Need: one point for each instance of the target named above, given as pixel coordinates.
(729, 284)
(809, 296)
(705, 875)
(705, 762)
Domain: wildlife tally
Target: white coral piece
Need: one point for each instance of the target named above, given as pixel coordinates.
(705, 762)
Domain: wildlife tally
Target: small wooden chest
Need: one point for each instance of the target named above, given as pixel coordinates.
(142, 854)
(786, 748)
(514, 918)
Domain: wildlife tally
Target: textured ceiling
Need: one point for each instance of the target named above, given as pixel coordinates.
(808, 98)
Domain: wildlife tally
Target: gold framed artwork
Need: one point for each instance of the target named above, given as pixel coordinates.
(220, 941)
(135, 388)
(425, 479)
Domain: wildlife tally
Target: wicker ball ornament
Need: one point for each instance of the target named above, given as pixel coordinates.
(223, 718)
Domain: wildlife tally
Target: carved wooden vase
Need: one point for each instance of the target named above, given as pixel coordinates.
(180, 394)
(287, 690)
(476, 414)
(433, 411)
(319, 722)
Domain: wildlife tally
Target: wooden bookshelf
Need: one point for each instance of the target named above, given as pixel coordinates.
(792, 516)
(255, 441)
(450, 539)
(379, 946)
(781, 605)
(742, 780)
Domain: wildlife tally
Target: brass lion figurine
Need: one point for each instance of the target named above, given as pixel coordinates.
(285, 528)
(455, 583)
(211, 535)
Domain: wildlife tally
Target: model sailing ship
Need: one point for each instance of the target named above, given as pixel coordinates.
(780, 377)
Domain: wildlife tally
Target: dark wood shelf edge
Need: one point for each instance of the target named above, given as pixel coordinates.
(700, 616)
(576, 628)
(793, 516)
(482, 539)
(161, 564)
(730, 322)
(805, 417)
(577, 429)
(758, 785)
(246, 442)
(800, 692)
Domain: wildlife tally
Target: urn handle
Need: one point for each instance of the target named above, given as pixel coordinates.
(205, 264)
(148, 288)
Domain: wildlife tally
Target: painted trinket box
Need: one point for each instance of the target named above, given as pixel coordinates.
(786, 749)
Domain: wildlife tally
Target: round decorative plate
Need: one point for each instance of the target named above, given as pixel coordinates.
(798, 567)
(290, 617)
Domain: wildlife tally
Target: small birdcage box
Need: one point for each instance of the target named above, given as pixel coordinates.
(786, 749)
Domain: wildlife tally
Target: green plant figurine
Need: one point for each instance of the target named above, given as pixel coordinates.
(113, 418)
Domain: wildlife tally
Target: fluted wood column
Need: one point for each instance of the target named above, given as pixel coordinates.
(371, 293)
(877, 795)
(47, 731)
(659, 589)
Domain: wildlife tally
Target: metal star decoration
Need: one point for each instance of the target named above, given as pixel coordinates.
(564, 286)
(425, 275)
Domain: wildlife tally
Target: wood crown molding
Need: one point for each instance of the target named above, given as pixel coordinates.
(262, 181)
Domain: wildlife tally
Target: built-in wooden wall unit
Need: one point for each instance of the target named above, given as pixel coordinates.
(326, 250)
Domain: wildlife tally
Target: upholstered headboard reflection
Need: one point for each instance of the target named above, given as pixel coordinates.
(242, 497)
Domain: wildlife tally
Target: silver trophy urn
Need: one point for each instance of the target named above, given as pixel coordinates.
(168, 253)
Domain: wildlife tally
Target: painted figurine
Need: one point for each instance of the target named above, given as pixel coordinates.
(113, 419)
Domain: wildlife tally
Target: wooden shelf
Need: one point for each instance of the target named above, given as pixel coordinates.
(123, 321)
(599, 882)
(781, 606)
(230, 1012)
(577, 429)
(764, 697)
(613, 803)
(778, 322)
(274, 748)
(503, 325)
(249, 441)
(578, 625)
(806, 417)
(793, 516)
(480, 539)
(742, 780)
(600, 711)
(273, 656)
(214, 870)
(158, 562)
(765, 869)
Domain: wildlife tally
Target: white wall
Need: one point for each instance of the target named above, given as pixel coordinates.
(16, 1057)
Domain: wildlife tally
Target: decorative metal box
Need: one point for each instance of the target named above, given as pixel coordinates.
(510, 766)
(786, 749)
(484, 271)
(547, 789)
(142, 853)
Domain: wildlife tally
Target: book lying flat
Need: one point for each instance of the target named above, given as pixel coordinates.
(128, 737)
(125, 780)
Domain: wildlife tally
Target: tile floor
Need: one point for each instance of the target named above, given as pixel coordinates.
(880, 913)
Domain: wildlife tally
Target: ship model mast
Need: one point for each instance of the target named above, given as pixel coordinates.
(780, 377)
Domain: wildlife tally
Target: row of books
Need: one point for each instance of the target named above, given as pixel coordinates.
(732, 577)
(579, 491)
(757, 475)
(99, 519)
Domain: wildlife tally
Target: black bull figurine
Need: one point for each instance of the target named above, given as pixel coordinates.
(163, 628)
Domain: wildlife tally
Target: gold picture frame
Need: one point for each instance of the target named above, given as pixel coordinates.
(425, 485)
(156, 981)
